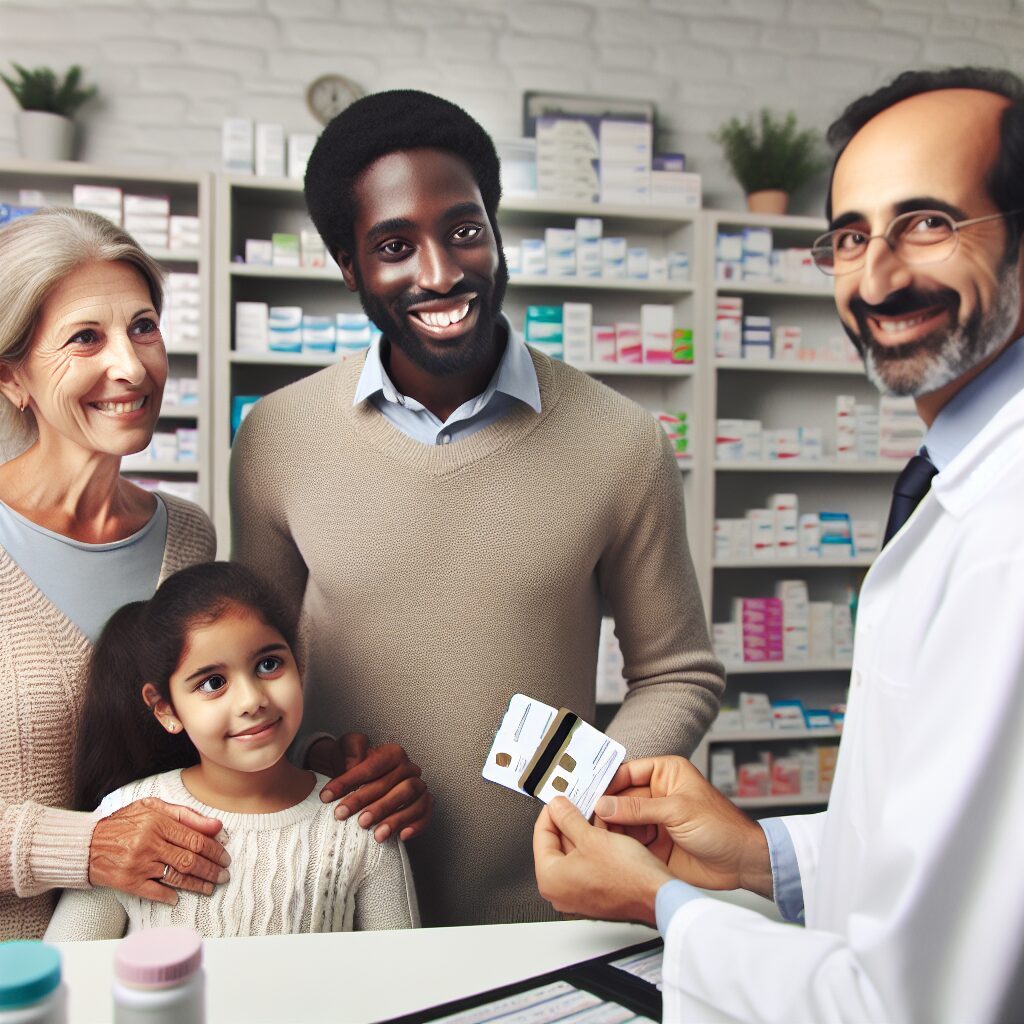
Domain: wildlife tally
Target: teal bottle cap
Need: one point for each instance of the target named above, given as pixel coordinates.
(29, 971)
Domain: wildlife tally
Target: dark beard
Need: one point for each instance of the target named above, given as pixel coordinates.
(460, 359)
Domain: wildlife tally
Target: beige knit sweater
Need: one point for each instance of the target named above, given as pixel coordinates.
(43, 662)
(436, 581)
(293, 872)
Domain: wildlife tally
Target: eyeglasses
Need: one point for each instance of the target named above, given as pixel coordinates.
(915, 238)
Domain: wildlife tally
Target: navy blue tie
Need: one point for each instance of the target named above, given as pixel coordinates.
(911, 486)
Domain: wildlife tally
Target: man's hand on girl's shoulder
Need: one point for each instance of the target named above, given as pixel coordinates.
(380, 782)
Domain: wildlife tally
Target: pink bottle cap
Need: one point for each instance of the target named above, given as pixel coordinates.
(158, 957)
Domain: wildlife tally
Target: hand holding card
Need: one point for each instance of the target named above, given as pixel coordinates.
(546, 753)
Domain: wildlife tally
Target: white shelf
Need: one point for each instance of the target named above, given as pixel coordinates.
(781, 366)
(331, 273)
(175, 255)
(806, 466)
(754, 288)
(285, 358)
(636, 369)
(781, 222)
(148, 468)
(643, 213)
(183, 350)
(751, 803)
(747, 668)
(859, 561)
(771, 735)
(603, 284)
(180, 412)
(74, 171)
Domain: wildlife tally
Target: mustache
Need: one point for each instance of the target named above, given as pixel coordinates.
(906, 301)
(408, 301)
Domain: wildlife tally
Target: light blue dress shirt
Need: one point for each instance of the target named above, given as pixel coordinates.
(87, 582)
(515, 380)
(957, 423)
(963, 416)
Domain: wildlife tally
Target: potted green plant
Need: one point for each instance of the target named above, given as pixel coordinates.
(769, 154)
(48, 102)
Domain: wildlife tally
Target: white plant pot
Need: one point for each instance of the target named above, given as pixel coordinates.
(45, 136)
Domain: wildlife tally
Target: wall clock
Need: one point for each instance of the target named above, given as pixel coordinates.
(328, 95)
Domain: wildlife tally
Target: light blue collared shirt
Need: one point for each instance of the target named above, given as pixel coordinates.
(515, 380)
(964, 415)
(788, 892)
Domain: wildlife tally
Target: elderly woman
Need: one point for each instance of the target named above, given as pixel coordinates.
(82, 372)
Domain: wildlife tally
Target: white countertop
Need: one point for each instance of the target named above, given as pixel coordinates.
(354, 977)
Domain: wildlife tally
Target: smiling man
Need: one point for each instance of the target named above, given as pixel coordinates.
(455, 511)
(909, 884)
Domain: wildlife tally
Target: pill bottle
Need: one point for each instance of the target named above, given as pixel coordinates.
(158, 978)
(31, 991)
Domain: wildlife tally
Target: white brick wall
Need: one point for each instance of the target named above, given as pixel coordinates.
(170, 70)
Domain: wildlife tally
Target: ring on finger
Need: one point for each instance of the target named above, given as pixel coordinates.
(167, 871)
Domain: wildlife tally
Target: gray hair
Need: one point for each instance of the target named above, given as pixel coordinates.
(36, 253)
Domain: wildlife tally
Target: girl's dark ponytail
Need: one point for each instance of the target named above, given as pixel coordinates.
(119, 740)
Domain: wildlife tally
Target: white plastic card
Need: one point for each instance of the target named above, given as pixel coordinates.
(543, 752)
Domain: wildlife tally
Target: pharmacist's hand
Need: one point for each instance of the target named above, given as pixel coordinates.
(381, 782)
(714, 844)
(131, 847)
(583, 869)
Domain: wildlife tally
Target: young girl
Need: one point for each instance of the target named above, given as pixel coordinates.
(200, 685)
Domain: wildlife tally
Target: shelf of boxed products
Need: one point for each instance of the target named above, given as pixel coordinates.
(737, 668)
(823, 367)
(801, 291)
(854, 561)
(720, 735)
(130, 466)
(654, 217)
(772, 776)
(573, 283)
(757, 803)
(168, 214)
(813, 466)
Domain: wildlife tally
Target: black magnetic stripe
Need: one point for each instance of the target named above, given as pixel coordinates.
(544, 762)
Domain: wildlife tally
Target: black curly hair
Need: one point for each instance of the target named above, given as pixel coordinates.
(388, 122)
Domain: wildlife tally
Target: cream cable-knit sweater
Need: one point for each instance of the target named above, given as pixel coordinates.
(43, 662)
(436, 581)
(294, 871)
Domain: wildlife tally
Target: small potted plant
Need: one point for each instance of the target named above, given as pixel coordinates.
(48, 102)
(770, 157)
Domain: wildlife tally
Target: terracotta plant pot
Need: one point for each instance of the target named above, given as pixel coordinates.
(768, 200)
(45, 136)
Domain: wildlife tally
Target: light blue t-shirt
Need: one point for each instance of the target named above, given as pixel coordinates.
(87, 582)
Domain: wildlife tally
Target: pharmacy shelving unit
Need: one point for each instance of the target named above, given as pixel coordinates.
(189, 194)
(782, 394)
(659, 388)
(253, 207)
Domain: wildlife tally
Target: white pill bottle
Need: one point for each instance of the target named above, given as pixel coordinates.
(158, 978)
(31, 991)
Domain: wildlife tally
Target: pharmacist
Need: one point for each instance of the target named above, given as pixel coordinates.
(909, 885)
(455, 511)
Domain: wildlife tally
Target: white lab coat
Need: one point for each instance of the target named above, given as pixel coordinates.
(913, 878)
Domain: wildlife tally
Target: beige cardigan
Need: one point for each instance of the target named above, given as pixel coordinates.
(43, 663)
